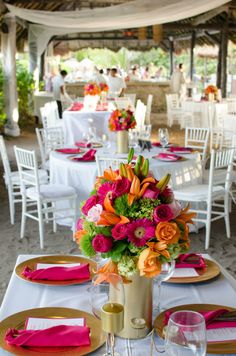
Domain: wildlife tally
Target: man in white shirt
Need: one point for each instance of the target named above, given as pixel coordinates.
(177, 80)
(116, 84)
(58, 86)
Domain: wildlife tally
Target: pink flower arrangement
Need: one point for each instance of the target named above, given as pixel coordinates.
(140, 231)
(92, 89)
(104, 87)
(121, 120)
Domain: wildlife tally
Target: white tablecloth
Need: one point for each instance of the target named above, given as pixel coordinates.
(75, 123)
(40, 99)
(82, 175)
(21, 295)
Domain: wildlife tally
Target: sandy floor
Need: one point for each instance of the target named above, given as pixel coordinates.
(222, 249)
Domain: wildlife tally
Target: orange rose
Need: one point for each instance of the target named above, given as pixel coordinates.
(168, 232)
(149, 264)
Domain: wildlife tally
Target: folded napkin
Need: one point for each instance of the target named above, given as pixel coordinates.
(82, 144)
(68, 150)
(169, 157)
(87, 157)
(156, 144)
(56, 336)
(215, 319)
(190, 260)
(76, 107)
(101, 107)
(58, 273)
(180, 149)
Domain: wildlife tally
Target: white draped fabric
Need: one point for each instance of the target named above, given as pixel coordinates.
(133, 14)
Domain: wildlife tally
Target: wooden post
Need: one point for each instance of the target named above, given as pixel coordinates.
(42, 66)
(218, 82)
(8, 41)
(171, 51)
(193, 39)
(224, 54)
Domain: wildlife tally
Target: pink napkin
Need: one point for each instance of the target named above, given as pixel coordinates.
(87, 157)
(56, 336)
(176, 149)
(76, 107)
(82, 144)
(102, 107)
(58, 273)
(68, 150)
(168, 156)
(156, 144)
(190, 260)
(210, 319)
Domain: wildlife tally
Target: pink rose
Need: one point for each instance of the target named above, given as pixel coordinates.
(94, 213)
(176, 208)
(102, 243)
(162, 213)
(79, 224)
(119, 232)
(90, 202)
(151, 192)
(121, 186)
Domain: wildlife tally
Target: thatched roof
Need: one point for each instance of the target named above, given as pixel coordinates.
(207, 28)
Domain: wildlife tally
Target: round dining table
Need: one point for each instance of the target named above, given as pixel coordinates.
(81, 175)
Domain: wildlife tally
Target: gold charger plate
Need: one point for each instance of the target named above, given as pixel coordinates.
(224, 347)
(59, 259)
(17, 321)
(212, 270)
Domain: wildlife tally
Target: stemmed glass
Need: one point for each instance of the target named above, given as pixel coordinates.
(133, 138)
(107, 300)
(163, 137)
(146, 132)
(186, 334)
(167, 270)
(106, 143)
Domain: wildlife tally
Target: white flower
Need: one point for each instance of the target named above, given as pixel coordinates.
(94, 213)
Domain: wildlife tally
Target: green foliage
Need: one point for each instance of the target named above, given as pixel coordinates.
(122, 207)
(86, 245)
(116, 252)
(144, 208)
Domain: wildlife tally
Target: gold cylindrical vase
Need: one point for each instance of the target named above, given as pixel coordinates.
(122, 142)
(137, 308)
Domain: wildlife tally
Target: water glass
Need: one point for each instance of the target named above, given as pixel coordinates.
(163, 137)
(186, 334)
(167, 270)
(106, 143)
(133, 138)
(145, 132)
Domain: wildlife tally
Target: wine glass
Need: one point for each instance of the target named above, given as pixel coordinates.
(106, 143)
(107, 300)
(133, 138)
(167, 270)
(163, 137)
(186, 334)
(146, 132)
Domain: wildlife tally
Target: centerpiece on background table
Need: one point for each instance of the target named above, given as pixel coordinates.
(211, 92)
(133, 220)
(121, 121)
(91, 96)
(104, 90)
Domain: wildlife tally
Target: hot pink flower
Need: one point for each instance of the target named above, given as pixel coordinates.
(90, 202)
(162, 212)
(140, 231)
(151, 192)
(105, 190)
(121, 186)
(102, 243)
(79, 224)
(119, 231)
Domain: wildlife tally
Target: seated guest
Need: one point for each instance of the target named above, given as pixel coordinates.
(116, 84)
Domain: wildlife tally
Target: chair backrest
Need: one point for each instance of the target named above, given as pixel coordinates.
(231, 106)
(27, 167)
(54, 138)
(197, 138)
(140, 113)
(104, 162)
(149, 109)
(5, 161)
(221, 159)
(49, 114)
(123, 103)
(44, 117)
(40, 134)
(132, 98)
(172, 101)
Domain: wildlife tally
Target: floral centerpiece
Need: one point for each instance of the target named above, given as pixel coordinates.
(121, 121)
(91, 96)
(211, 92)
(134, 220)
(92, 89)
(103, 87)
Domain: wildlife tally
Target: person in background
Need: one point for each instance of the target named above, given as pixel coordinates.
(58, 85)
(134, 75)
(98, 76)
(116, 84)
(177, 81)
(146, 74)
(159, 73)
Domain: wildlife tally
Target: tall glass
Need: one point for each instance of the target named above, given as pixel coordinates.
(167, 270)
(186, 334)
(163, 137)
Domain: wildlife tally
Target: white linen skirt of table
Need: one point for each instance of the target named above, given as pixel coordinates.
(82, 175)
(75, 123)
(220, 291)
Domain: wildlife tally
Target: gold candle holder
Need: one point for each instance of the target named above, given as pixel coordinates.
(112, 317)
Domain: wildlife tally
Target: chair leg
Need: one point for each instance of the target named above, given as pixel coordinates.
(54, 218)
(208, 226)
(23, 216)
(11, 206)
(41, 225)
(226, 211)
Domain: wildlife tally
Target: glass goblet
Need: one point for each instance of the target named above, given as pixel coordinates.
(186, 334)
(167, 270)
(163, 137)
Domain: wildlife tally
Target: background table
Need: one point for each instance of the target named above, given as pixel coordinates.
(75, 123)
(40, 99)
(219, 291)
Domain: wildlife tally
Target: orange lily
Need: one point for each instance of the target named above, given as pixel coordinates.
(107, 273)
(185, 216)
(79, 234)
(109, 218)
(138, 188)
(159, 247)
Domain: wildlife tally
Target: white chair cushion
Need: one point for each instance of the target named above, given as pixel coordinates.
(198, 192)
(15, 177)
(51, 192)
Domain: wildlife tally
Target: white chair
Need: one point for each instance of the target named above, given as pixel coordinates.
(49, 115)
(40, 134)
(210, 193)
(42, 195)
(197, 138)
(123, 103)
(148, 109)
(12, 180)
(54, 138)
(231, 106)
(104, 162)
(140, 113)
(132, 98)
(174, 111)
